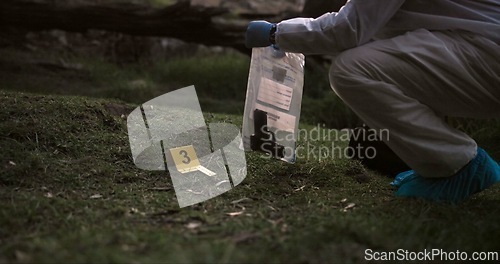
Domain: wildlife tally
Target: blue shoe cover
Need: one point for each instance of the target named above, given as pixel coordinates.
(478, 175)
(404, 177)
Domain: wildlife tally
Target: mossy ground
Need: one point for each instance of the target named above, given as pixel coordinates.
(69, 192)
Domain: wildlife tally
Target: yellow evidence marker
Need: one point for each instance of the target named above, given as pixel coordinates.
(186, 160)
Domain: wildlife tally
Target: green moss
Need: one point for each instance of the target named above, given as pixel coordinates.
(57, 152)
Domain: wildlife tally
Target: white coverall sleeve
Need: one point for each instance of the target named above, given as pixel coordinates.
(355, 24)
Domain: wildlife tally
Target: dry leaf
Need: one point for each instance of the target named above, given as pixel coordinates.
(49, 195)
(344, 200)
(235, 213)
(96, 196)
(300, 189)
(349, 206)
(193, 225)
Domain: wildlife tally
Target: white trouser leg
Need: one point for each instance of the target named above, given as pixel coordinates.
(406, 83)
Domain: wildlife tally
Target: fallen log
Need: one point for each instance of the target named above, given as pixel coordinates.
(191, 21)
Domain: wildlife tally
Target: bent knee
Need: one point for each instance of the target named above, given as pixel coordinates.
(353, 66)
(343, 70)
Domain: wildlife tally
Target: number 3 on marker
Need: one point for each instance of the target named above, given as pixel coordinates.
(185, 159)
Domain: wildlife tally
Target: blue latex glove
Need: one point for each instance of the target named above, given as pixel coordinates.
(258, 34)
(478, 175)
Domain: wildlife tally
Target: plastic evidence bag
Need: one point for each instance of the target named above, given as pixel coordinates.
(273, 102)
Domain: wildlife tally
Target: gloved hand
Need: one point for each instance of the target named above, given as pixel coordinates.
(258, 34)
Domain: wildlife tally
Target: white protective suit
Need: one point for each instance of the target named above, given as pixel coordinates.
(402, 65)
